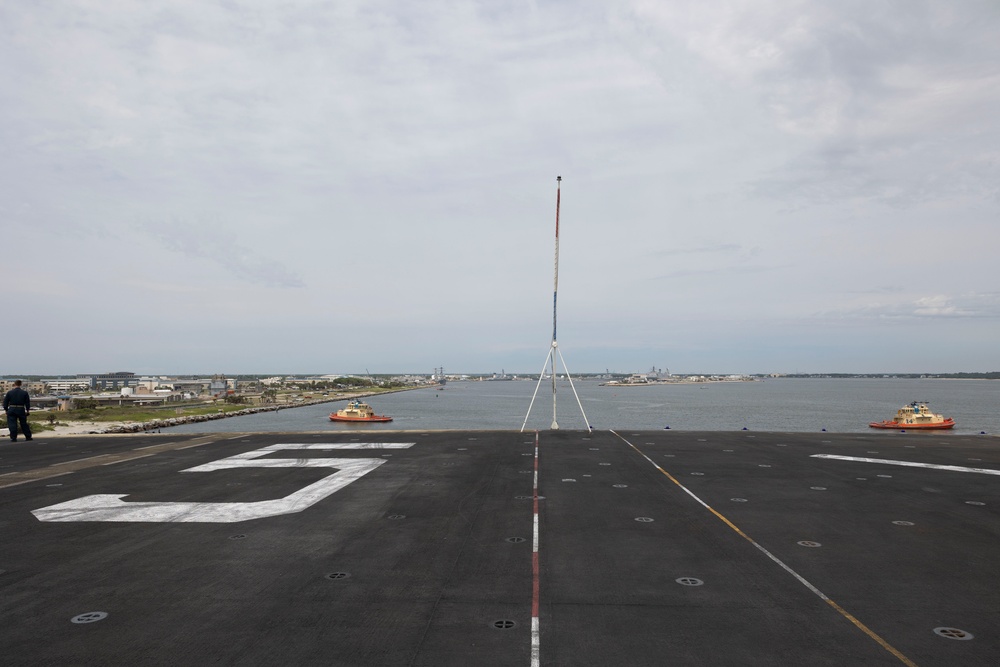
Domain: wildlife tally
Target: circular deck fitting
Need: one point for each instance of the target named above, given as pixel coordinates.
(808, 543)
(974, 502)
(763, 465)
(515, 540)
(603, 464)
(910, 446)
(689, 581)
(237, 537)
(818, 488)
(781, 444)
(620, 486)
(729, 450)
(473, 438)
(504, 624)
(89, 617)
(588, 475)
(903, 523)
(738, 500)
(448, 464)
(644, 519)
(338, 575)
(697, 474)
(396, 516)
(953, 633)
(463, 449)
(586, 439)
(595, 449)
(702, 440)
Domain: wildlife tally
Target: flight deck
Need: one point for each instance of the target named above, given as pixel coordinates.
(501, 548)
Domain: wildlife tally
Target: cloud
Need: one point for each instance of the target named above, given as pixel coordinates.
(203, 242)
(974, 305)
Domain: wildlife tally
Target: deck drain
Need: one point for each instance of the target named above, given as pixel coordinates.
(669, 456)
(620, 486)
(603, 464)
(974, 502)
(763, 465)
(569, 479)
(689, 581)
(385, 456)
(697, 474)
(808, 543)
(818, 488)
(53, 485)
(903, 523)
(781, 444)
(523, 497)
(644, 519)
(728, 450)
(885, 476)
(238, 537)
(92, 616)
(528, 454)
(953, 633)
(463, 449)
(595, 449)
(861, 479)
(738, 500)
(515, 540)
(504, 624)
(526, 472)
(396, 516)
(428, 483)
(338, 575)
(702, 440)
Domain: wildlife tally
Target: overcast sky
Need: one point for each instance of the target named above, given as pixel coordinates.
(331, 186)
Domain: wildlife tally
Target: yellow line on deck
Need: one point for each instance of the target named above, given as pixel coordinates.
(843, 612)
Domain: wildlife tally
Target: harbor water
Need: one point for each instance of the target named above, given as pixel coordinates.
(780, 404)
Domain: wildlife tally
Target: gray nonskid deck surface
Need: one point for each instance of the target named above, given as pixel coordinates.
(655, 548)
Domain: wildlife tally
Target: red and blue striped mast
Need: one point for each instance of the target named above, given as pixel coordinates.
(554, 347)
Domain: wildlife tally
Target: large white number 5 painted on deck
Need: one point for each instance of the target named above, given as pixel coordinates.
(111, 507)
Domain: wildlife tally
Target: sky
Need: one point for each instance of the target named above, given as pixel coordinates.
(236, 186)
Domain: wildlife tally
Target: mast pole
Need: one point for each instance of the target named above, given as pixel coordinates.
(555, 297)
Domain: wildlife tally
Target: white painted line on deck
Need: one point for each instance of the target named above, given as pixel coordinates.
(909, 464)
(840, 610)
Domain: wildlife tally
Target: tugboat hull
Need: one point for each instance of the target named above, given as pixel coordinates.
(947, 423)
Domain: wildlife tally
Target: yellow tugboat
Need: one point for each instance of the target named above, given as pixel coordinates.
(916, 415)
(356, 411)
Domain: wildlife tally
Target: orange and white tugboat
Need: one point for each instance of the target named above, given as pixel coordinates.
(915, 416)
(356, 411)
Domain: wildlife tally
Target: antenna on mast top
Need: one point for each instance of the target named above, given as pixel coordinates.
(554, 347)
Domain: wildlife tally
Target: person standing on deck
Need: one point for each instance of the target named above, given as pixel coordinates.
(17, 405)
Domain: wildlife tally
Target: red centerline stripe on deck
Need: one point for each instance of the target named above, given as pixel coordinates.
(843, 612)
(536, 652)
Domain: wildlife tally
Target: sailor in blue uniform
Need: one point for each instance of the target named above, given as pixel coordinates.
(17, 405)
